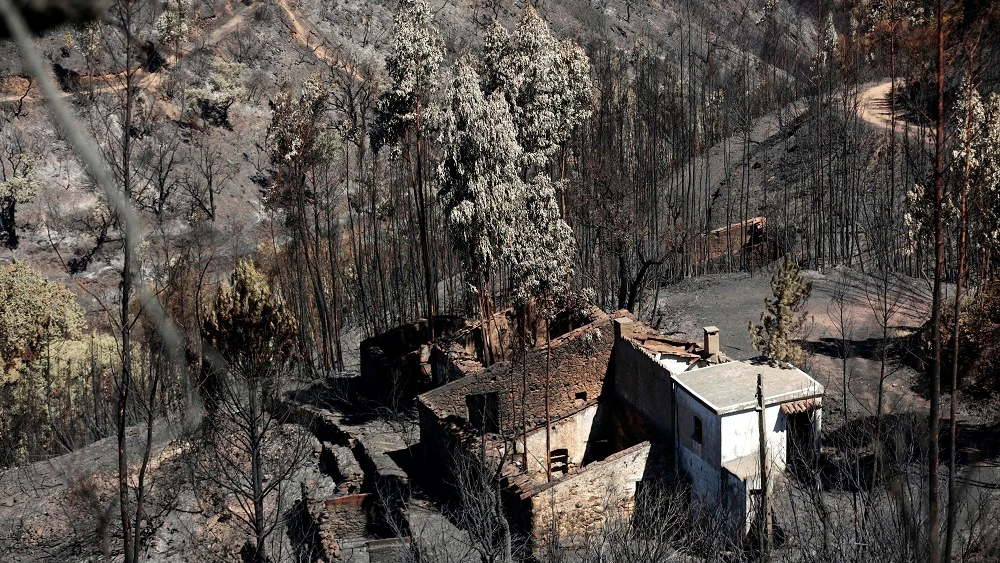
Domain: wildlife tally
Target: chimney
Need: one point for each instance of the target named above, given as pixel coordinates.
(623, 328)
(711, 343)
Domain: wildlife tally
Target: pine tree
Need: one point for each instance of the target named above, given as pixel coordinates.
(249, 326)
(783, 317)
(250, 339)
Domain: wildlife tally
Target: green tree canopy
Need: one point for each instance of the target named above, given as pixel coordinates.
(249, 325)
(783, 316)
(33, 309)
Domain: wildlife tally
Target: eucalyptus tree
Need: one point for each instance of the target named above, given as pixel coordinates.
(547, 84)
(480, 184)
(413, 66)
(300, 139)
(541, 265)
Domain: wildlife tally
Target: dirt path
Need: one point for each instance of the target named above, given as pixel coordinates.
(874, 109)
(309, 36)
(146, 81)
(303, 31)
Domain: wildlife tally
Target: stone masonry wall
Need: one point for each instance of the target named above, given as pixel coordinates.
(347, 516)
(642, 382)
(578, 502)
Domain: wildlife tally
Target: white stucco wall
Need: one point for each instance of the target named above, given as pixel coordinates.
(701, 463)
(572, 433)
(740, 436)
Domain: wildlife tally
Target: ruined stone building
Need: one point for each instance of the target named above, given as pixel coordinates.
(623, 405)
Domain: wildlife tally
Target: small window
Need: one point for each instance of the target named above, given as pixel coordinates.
(559, 458)
(484, 411)
(582, 395)
(696, 432)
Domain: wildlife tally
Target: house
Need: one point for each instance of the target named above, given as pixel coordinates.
(402, 362)
(579, 424)
(709, 407)
(718, 445)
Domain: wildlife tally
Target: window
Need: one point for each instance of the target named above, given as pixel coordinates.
(582, 395)
(559, 458)
(696, 431)
(484, 411)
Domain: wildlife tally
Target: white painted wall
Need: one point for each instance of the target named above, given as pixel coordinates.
(572, 433)
(740, 436)
(700, 462)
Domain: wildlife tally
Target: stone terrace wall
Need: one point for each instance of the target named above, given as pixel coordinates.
(347, 516)
(579, 501)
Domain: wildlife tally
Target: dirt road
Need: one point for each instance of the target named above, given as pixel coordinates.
(147, 81)
(310, 37)
(874, 109)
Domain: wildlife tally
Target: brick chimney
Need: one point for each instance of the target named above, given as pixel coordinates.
(711, 343)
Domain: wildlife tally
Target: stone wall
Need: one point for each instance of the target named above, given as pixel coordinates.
(395, 365)
(577, 503)
(347, 516)
(641, 381)
(747, 242)
(571, 433)
(438, 439)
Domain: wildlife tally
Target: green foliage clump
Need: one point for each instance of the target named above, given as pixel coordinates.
(174, 22)
(249, 325)
(38, 382)
(224, 87)
(979, 336)
(33, 310)
(783, 317)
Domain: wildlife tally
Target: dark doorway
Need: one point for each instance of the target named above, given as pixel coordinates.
(800, 439)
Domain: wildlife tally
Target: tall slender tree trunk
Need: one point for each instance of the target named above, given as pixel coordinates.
(955, 335)
(125, 382)
(763, 511)
(548, 418)
(418, 186)
(256, 474)
(934, 485)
